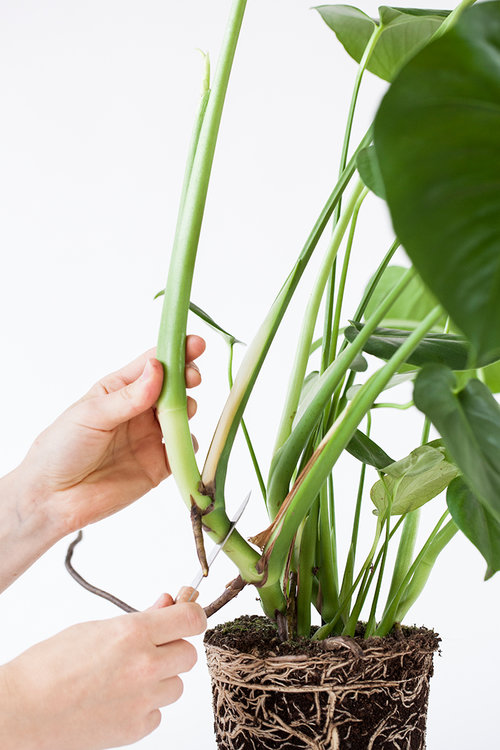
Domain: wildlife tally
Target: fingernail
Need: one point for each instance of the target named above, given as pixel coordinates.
(148, 370)
(194, 366)
(186, 594)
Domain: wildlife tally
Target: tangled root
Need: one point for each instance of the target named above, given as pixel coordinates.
(344, 698)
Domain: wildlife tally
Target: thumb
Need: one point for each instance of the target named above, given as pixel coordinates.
(112, 409)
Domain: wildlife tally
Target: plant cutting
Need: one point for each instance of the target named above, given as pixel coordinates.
(358, 677)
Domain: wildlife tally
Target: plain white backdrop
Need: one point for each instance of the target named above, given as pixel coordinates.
(97, 101)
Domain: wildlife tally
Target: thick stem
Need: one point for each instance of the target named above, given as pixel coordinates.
(305, 572)
(172, 411)
(309, 483)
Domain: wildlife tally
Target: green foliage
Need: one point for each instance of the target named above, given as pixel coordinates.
(476, 522)
(369, 171)
(469, 423)
(413, 481)
(444, 348)
(410, 307)
(365, 450)
(437, 135)
(404, 32)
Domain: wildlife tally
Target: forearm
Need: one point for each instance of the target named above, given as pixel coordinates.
(27, 529)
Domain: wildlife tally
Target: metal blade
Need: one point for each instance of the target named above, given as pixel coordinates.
(215, 550)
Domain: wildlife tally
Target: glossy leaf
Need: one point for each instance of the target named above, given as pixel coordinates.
(405, 31)
(369, 171)
(437, 135)
(367, 451)
(475, 522)
(410, 308)
(413, 481)
(444, 348)
(469, 423)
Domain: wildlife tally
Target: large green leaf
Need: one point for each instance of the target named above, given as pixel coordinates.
(437, 135)
(413, 481)
(445, 348)
(412, 305)
(475, 522)
(469, 423)
(404, 32)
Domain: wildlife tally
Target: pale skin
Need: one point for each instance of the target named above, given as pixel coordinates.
(97, 684)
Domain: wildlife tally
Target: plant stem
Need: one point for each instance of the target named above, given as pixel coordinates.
(305, 571)
(244, 429)
(328, 575)
(343, 275)
(285, 461)
(423, 570)
(172, 412)
(351, 556)
(325, 631)
(389, 616)
(215, 468)
(307, 332)
(452, 19)
(370, 625)
(309, 483)
(327, 327)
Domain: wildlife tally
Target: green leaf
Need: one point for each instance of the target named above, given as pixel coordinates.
(469, 423)
(352, 27)
(413, 481)
(405, 31)
(491, 376)
(369, 171)
(400, 377)
(410, 308)
(228, 337)
(365, 450)
(444, 348)
(437, 135)
(475, 522)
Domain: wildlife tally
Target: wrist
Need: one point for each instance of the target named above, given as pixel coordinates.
(28, 527)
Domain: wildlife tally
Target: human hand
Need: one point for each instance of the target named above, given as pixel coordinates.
(106, 450)
(98, 684)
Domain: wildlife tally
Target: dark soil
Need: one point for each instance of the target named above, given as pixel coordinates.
(345, 694)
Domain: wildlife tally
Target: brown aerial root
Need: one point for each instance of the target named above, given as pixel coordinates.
(197, 514)
(232, 589)
(340, 699)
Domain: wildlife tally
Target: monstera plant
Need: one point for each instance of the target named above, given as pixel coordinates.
(432, 155)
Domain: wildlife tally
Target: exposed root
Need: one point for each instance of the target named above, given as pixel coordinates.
(349, 697)
(197, 524)
(232, 589)
(86, 585)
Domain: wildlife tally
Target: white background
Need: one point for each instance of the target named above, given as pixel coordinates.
(97, 100)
